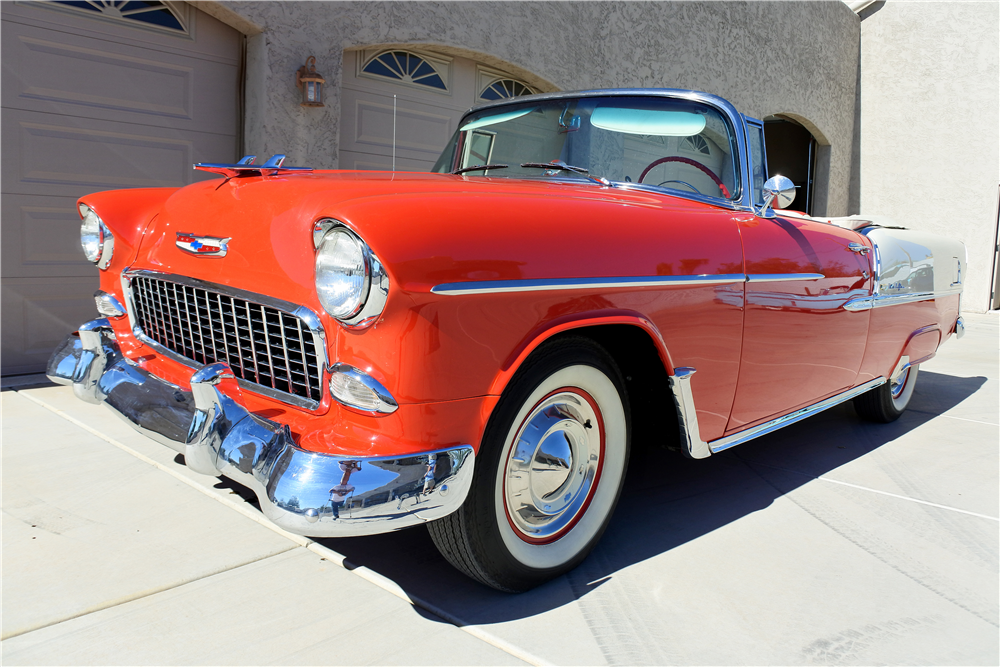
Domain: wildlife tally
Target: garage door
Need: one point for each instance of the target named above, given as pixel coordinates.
(97, 96)
(399, 107)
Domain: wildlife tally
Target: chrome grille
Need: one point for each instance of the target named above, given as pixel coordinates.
(264, 346)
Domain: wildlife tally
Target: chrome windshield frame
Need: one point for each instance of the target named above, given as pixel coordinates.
(735, 118)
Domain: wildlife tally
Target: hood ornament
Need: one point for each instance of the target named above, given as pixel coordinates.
(203, 246)
(246, 167)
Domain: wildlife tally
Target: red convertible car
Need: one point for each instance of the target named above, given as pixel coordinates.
(474, 348)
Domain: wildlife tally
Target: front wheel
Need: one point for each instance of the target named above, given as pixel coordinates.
(549, 471)
(886, 402)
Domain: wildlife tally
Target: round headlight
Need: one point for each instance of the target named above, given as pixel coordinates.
(95, 237)
(342, 277)
(91, 234)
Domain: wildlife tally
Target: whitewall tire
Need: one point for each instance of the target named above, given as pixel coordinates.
(549, 471)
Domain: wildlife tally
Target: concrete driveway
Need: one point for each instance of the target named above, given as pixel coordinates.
(833, 541)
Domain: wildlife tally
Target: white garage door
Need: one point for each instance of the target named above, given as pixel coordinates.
(401, 106)
(97, 96)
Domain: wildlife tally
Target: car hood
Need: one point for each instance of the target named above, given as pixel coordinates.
(425, 228)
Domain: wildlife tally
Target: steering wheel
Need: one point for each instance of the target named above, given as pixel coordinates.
(694, 163)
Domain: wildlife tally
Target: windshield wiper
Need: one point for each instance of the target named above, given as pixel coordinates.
(480, 167)
(559, 165)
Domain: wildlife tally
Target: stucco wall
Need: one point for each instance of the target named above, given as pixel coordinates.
(795, 58)
(930, 113)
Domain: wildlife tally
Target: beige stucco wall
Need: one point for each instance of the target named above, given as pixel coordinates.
(930, 113)
(795, 58)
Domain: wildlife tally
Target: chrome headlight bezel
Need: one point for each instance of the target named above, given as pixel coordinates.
(96, 239)
(367, 307)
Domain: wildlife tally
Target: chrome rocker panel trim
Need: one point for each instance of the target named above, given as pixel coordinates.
(218, 436)
(696, 448)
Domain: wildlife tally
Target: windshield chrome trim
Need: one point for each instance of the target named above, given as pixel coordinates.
(554, 284)
(722, 105)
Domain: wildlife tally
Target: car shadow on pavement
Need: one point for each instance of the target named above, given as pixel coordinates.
(668, 500)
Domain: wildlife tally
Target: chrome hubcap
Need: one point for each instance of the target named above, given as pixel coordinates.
(553, 465)
(898, 383)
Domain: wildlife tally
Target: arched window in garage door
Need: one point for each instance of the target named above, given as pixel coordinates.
(500, 89)
(150, 13)
(410, 68)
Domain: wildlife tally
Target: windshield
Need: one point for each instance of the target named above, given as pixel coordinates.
(679, 144)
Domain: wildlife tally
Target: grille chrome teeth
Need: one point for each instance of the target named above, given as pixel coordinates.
(263, 345)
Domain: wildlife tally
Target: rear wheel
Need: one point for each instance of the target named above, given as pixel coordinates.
(548, 473)
(887, 402)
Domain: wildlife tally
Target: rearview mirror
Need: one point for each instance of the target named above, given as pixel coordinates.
(779, 192)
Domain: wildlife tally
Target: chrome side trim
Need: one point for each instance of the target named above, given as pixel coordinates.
(884, 300)
(305, 315)
(500, 286)
(528, 285)
(862, 303)
(697, 448)
(782, 277)
(304, 492)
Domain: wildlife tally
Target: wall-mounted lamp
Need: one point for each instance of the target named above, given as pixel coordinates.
(311, 83)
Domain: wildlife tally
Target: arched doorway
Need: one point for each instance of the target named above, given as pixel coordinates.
(400, 105)
(791, 152)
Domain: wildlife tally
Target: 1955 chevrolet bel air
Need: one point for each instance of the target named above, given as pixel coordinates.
(477, 348)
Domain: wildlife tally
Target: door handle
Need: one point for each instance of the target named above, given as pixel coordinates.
(858, 247)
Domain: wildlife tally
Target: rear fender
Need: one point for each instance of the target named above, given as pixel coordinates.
(922, 345)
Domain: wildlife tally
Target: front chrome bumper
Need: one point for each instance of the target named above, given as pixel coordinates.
(304, 492)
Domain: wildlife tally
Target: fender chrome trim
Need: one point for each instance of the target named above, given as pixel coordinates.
(696, 448)
(782, 277)
(531, 285)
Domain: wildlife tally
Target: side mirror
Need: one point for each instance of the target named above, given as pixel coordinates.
(779, 192)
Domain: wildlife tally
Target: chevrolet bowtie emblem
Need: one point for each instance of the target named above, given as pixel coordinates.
(203, 246)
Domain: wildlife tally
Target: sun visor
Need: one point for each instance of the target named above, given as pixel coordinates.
(654, 122)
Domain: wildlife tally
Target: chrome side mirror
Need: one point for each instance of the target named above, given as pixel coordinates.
(779, 192)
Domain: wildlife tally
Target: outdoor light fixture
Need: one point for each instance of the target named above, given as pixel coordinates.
(311, 83)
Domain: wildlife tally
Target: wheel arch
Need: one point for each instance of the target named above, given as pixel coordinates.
(641, 355)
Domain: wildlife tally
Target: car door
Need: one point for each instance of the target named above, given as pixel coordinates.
(800, 344)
